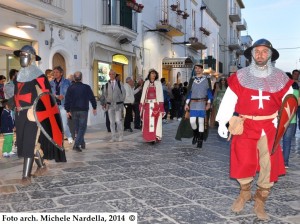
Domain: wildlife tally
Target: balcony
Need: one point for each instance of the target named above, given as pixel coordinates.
(198, 42)
(234, 44)
(43, 8)
(171, 21)
(235, 14)
(119, 20)
(241, 25)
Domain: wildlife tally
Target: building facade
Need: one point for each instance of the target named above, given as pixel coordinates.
(229, 13)
(127, 36)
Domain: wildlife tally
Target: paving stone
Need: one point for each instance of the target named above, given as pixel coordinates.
(172, 183)
(123, 184)
(30, 187)
(112, 177)
(33, 206)
(132, 205)
(67, 182)
(169, 183)
(6, 189)
(38, 194)
(91, 198)
(192, 214)
(5, 208)
(222, 205)
(157, 221)
(252, 219)
(15, 197)
(99, 206)
(158, 197)
(146, 174)
(85, 189)
(198, 193)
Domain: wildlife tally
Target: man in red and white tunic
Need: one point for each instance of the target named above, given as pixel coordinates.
(255, 93)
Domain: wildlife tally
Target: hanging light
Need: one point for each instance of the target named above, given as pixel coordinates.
(25, 25)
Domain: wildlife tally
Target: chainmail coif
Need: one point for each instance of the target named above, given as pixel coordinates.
(266, 78)
(29, 73)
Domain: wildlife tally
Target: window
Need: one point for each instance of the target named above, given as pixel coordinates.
(116, 12)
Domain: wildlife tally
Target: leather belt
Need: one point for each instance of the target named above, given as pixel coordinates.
(109, 103)
(260, 118)
(151, 101)
(200, 100)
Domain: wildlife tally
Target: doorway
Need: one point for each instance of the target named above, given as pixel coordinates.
(118, 68)
(59, 60)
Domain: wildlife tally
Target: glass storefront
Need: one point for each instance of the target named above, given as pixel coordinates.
(8, 61)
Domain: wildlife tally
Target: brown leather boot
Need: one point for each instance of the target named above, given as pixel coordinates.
(245, 195)
(260, 198)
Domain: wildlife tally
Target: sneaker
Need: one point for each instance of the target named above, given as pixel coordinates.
(12, 153)
(179, 119)
(70, 140)
(76, 148)
(112, 140)
(83, 146)
(5, 154)
(286, 167)
(120, 139)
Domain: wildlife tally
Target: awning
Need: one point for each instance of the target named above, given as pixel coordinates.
(182, 62)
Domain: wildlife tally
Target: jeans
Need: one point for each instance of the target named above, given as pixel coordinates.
(298, 117)
(115, 117)
(64, 118)
(286, 142)
(80, 123)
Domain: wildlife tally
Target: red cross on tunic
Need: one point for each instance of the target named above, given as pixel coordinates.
(22, 97)
(49, 113)
(41, 82)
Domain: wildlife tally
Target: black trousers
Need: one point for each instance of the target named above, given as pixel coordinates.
(107, 123)
(137, 117)
(128, 116)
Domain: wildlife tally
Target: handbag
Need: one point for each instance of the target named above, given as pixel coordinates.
(187, 114)
(236, 125)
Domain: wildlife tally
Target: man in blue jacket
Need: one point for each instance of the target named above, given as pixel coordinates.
(59, 86)
(77, 101)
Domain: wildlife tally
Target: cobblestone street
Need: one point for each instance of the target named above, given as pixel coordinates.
(169, 182)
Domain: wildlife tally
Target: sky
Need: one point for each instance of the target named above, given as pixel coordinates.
(279, 22)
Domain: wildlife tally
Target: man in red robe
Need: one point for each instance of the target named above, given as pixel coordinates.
(255, 93)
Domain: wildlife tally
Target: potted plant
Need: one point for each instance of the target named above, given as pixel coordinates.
(193, 39)
(185, 15)
(174, 7)
(179, 11)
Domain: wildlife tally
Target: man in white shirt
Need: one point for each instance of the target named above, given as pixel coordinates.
(128, 103)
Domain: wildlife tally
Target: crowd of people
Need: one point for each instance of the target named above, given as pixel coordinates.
(248, 98)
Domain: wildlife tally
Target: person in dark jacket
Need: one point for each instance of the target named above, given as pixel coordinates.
(77, 101)
(7, 128)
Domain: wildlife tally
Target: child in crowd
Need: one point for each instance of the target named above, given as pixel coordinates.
(7, 128)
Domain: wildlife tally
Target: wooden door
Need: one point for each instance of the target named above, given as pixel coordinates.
(118, 68)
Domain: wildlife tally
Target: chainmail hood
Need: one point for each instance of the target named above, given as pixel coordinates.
(267, 78)
(29, 73)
